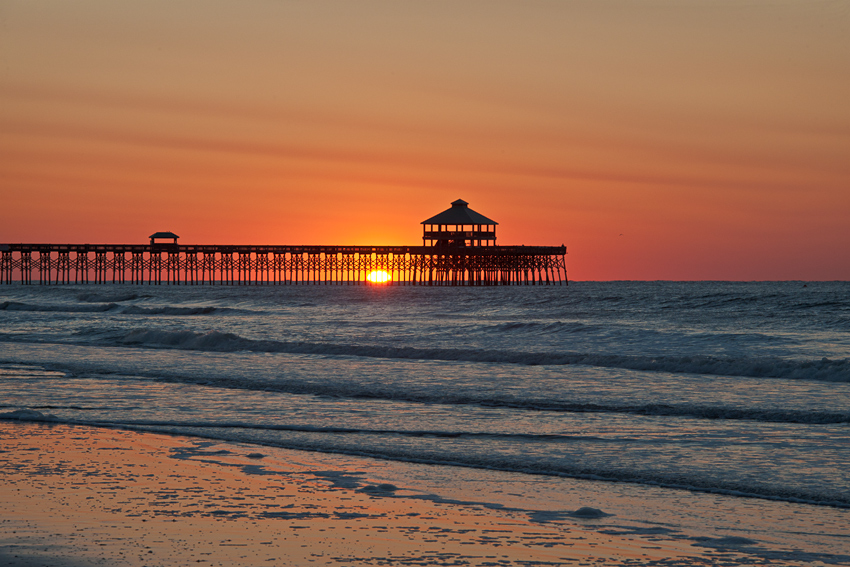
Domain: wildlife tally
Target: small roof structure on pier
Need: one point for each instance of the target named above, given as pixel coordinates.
(459, 214)
(459, 227)
(160, 235)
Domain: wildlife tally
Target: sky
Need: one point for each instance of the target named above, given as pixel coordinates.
(656, 139)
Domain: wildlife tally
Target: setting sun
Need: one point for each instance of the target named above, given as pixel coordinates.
(378, 277)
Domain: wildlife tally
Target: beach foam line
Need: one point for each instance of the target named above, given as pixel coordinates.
(487, 398)
(326, 443)
(822, 370)
(119, 497)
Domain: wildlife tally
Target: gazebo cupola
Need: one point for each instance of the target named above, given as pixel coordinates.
(458, 227)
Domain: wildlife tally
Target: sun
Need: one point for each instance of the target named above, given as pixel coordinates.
(378, 277)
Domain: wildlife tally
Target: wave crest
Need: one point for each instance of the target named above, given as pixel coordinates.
(94, 307)
(822, 370)
(325, 442)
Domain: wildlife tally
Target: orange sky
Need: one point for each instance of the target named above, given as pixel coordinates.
(657, 139)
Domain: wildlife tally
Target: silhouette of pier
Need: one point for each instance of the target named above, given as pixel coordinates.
(459, 249)
(244, 265)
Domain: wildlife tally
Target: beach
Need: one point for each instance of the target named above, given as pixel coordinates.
(600, 423)
(80, 496)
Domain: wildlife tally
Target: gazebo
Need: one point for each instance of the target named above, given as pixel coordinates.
(459, 227)
(162, 235)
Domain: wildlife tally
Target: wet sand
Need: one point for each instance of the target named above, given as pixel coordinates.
(75, 496)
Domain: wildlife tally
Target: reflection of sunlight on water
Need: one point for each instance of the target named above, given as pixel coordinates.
(378, 277)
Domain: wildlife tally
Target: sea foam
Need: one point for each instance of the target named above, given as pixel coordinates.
(823, 370)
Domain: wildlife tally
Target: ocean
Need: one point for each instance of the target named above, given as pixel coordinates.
(717, 412)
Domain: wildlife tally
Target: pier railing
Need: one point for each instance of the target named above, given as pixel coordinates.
(180, 264)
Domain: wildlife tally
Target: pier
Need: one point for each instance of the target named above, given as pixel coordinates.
(458, 249)
(246, 265)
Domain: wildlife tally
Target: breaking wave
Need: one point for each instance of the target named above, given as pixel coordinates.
(94, 307)
(357, 390)
(822, 370)
(135, 310)
(116, 297)
(326, 442)
(58, 308)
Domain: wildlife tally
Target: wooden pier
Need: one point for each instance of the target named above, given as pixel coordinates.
(248, 265)
(459, 248)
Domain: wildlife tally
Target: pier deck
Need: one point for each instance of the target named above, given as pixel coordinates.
(182, 264)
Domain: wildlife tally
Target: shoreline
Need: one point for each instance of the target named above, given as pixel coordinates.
(78, 496)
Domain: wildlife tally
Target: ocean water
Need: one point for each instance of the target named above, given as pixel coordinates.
(713, 411)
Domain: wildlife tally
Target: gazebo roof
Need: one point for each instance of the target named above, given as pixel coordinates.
(163, 235)
(460, 213)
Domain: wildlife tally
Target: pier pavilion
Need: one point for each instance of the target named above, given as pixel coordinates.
(459, 248)
(459, 227)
